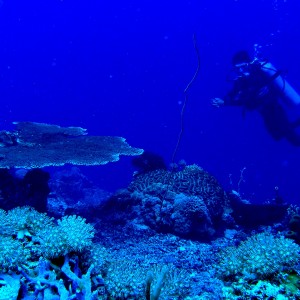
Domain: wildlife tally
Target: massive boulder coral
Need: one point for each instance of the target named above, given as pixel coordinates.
(188, 202)
(36, 145)
(191, 181)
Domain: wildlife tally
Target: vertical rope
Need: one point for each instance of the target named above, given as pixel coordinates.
(185, 92)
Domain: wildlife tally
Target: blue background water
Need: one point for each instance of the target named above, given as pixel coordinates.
(120, 68)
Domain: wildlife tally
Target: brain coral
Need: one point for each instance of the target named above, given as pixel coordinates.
(191, 181)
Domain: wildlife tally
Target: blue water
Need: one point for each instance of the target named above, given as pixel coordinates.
(120, 68)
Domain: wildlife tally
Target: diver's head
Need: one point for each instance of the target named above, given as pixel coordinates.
(241, 57)
(240, 62)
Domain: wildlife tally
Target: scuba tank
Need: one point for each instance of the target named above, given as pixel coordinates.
(289, 95)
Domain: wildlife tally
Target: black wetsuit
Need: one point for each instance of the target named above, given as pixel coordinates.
(254, 90)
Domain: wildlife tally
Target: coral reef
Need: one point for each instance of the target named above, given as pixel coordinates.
(145, 242)
(36, 251)
(43, 258)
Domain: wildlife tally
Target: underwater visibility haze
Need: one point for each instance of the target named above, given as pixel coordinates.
(119, 179)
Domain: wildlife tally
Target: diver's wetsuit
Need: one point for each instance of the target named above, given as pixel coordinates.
(254, 90)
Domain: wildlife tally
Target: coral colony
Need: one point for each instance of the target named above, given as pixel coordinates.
(170, 234)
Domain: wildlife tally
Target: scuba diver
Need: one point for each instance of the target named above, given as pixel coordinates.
(260, 86)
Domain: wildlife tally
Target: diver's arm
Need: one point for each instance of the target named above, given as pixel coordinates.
(235, 97)
(232, 98)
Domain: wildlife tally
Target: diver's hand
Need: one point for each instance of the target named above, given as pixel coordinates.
(217, 102)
